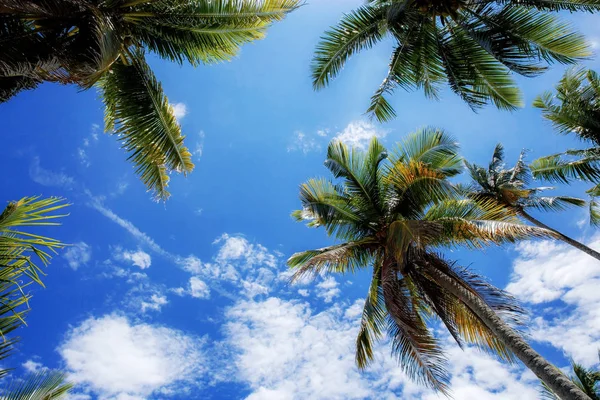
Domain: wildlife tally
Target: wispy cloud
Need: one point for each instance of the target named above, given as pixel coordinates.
(97, 204)
(47, 177)
(304, 143)
(78, 254)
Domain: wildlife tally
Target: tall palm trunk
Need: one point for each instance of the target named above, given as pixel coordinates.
(548, 373)
(564, 238)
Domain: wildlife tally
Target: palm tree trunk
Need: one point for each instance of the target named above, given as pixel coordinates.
(564, 238)
(548, 373)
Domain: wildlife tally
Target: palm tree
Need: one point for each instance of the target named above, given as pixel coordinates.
(103, 43)
(471, 45)
(20, 254)
(587, 379)
(395, 216)
(508, 187)
(574, 110)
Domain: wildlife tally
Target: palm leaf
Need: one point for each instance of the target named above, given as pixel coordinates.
(357, 30)
(44, 385)
(139, 112)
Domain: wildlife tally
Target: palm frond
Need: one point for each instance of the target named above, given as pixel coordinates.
(373, 320)
(342, 258)
(555, 168)
(141, 115)
(43, 385)
(358, 30)
(418, 352)
(19, 251)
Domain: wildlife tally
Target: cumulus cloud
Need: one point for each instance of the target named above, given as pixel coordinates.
(545, 271)
(154, 303)
(179, 110)
(284, 350)
(46, 177)
(138, 258)
(328, 289)
(197, 288)
(359, 134)
(115, 358)
(78, 254)
(32, 366)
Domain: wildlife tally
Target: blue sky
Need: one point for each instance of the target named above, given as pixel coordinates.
(188, 299)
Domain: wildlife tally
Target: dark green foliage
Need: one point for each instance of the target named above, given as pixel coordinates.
(472, 46)
(103, 43)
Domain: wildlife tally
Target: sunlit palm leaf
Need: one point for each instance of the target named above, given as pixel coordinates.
(19, 252)
(43, 385)
(141, 115)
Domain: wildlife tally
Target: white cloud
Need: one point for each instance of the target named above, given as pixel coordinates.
(78, 254)
(303, 292)
(283, 350)
(546, 271)
(328, 289)
(359, 134)
(117, 359)
(33, 366)
(155, 303)
(138, 258)
(179, 110)
(304, 143)
(46, 177)
(198, 288)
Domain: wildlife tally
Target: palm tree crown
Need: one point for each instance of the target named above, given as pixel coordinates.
(470, 45)
(509, 187)
(103, 43)
(394, 214)
(574, 110)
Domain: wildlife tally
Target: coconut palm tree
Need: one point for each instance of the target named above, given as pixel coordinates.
(509, 188)
(471, 45)
(21, 253)
(103, 43)
(574, 110)
(395, 216)
(587, 379)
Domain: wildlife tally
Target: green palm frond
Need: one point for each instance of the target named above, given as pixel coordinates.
(342, 258)
(360, 29)
(204, 32)
(19, 252)
(471, 46)
(102, 43)
(373, 322)
(43, 385)
(417, 350)
(139, 112)
(555, 168)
